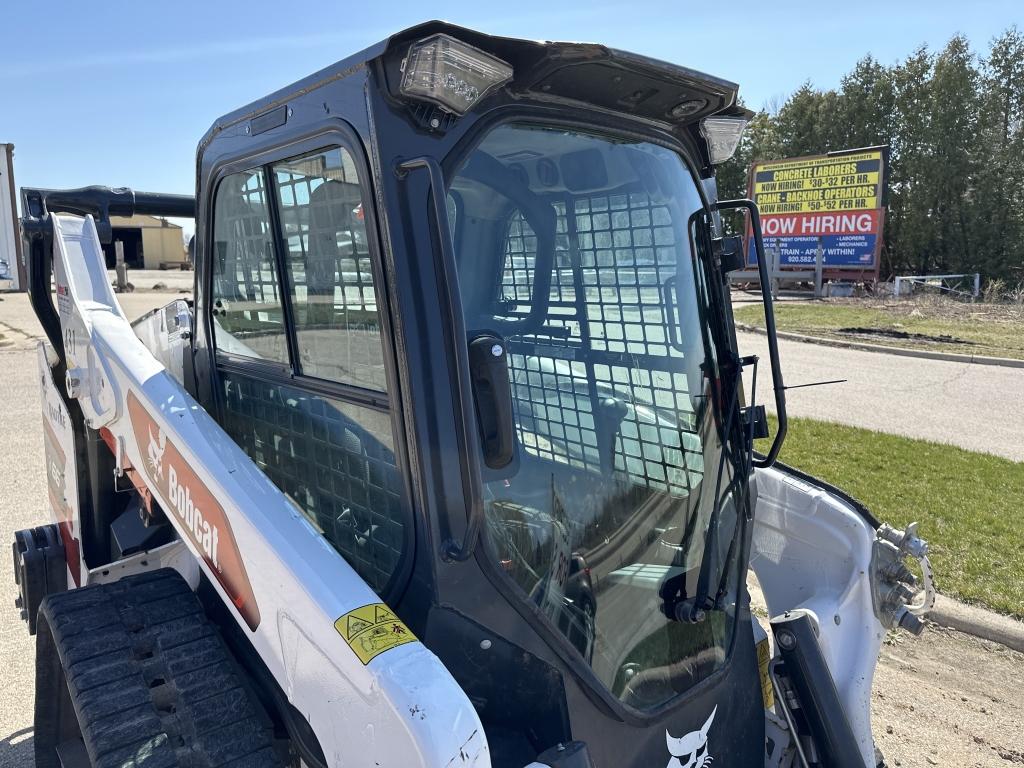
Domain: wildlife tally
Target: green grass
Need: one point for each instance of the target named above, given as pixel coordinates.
(970, 506)
(982, 329)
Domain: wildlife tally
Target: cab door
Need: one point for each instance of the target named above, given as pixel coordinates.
(302, 374)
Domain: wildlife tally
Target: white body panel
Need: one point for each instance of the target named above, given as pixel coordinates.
(812, 550)
(61, 470)
(362, 714)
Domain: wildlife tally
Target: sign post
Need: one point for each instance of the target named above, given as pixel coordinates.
(823, 213)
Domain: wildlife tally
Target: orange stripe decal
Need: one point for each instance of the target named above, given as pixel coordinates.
(199, 515)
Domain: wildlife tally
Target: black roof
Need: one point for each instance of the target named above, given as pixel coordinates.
(588, 72)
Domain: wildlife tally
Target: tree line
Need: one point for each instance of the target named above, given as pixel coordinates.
(954, 123)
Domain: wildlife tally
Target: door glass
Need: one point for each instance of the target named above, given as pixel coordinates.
(603, 519)
(246, 312)
(337, 325)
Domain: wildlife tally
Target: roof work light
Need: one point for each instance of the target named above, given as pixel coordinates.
(723, 136)
(451, 73)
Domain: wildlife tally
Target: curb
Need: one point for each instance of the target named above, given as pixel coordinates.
(949, 614)
(951, 357)
(978, 622)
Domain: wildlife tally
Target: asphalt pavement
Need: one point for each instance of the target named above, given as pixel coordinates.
(23, 504)
(977, 407)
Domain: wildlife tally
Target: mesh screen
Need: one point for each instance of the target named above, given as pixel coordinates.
(329, 272)
(335, 460)
(605, 339)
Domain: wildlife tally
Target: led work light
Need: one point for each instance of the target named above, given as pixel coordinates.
(723, 136)
(451, 73)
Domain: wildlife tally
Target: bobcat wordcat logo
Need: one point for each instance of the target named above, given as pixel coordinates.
(192, 508)
(205, 534)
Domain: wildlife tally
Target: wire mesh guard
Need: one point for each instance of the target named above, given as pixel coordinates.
(330, 277)
(599, 385)
(335, 460)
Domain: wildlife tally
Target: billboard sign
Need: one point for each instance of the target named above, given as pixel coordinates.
(833, 202)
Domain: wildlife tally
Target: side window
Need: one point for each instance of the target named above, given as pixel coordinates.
(337, 326)
(247, 315)
(335, 459)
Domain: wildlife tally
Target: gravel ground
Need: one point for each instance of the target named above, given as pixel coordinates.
(949, 699)
(943, 699)
(148, 279)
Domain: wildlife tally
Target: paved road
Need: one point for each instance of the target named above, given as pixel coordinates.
(978, 407)
(22, 504)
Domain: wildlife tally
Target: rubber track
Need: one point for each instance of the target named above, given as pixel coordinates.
(151, 680)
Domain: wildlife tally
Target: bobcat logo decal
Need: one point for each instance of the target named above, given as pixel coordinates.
(691, 750)
(156, 448)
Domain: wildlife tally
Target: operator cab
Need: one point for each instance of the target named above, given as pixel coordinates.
(456, 296)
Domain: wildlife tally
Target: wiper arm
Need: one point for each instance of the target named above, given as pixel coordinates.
(742, 478)
(696, 611)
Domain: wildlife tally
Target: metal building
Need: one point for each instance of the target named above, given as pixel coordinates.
(149, 243)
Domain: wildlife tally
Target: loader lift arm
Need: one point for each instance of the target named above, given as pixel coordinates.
(97, 201)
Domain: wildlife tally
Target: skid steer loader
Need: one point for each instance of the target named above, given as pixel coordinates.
(449, 462)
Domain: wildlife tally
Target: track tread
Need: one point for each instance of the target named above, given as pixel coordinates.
(151, 680)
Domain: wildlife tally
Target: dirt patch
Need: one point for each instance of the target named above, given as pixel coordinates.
(889, 333)
(938, 308)
(948, 699)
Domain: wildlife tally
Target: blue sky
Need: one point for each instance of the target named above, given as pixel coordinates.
(119, 93)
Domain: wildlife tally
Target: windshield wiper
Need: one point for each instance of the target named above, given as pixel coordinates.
(742, 477)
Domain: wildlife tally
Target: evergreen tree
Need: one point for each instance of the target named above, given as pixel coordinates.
(952, 167)
(955, 130)
(999, 221)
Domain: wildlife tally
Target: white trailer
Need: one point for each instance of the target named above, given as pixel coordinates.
(10, 240)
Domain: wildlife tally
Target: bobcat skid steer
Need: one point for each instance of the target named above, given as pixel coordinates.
(449, 463)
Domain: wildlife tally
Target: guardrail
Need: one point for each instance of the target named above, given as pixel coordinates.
(937, 281)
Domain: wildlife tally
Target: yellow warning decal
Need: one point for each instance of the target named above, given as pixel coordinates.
(371, 630)
(764, 656)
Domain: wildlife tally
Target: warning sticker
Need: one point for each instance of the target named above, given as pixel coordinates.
(371, 630)
(764, 656)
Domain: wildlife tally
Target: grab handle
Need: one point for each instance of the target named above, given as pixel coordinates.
(769, 323)
(448, 288)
